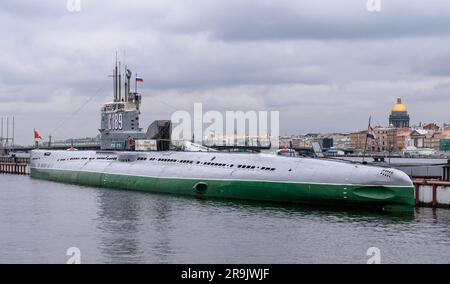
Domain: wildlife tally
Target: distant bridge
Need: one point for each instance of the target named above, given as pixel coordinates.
(80, 144)
(56, 147)
(93, 143)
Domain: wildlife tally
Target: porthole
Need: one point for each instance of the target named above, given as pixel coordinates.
(200, 187)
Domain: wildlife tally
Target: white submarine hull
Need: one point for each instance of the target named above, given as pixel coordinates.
(234, 176)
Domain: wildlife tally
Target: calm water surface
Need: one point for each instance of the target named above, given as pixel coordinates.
(40, 220)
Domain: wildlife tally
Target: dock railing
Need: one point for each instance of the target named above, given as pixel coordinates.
(432, 193)
(14, 165)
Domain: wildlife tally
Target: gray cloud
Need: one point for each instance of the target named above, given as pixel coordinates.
(293, 19)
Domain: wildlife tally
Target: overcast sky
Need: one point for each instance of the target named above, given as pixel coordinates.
(325, 65)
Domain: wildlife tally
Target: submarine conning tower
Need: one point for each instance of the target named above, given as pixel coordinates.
(120, 118)
(119, 128)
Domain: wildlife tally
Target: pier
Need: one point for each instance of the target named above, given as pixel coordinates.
(13, 165)
(432, 193)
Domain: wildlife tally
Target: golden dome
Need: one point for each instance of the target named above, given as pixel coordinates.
(399, 106)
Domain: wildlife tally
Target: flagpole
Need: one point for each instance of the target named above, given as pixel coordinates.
(367, 136)
(36, 143)
(135, 84)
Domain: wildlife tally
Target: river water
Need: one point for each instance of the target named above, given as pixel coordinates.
(40, 220)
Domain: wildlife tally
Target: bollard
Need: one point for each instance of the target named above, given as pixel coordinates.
(434, 204)
(417, 186)
(446, 171)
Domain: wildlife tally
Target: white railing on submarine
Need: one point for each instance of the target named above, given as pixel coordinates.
(78, 142)
(245, 141)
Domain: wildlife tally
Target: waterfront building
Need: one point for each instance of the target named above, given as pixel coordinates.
(445, 134)
(358, 140)
(418, 138)
(327, 143)
(385, 139)
(432, 127)
(444, 143)
(341, 140)
(432, 140)
(296, 142)
(427, 136)
(403, 135)
(399, 117)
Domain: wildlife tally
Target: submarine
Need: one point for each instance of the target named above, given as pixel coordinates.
(214, 174)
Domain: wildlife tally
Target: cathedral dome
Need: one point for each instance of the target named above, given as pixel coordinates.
(399, 106)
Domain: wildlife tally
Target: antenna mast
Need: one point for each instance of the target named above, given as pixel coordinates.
(1, 136)
(120, 82)
(13, 130)
(116, 96)
(7, 130)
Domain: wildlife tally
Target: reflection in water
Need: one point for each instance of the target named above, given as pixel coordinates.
(162, 225)
(155, 228)
(118, 217)
(127, 227)
(133, 228)
(325, 213)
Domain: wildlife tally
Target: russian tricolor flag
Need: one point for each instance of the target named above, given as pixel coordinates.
(139, 80)
(371, 134)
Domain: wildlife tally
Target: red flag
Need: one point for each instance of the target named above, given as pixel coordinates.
(37, 136)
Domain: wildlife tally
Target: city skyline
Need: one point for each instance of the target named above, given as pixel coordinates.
(8, 131)
(325, 66)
